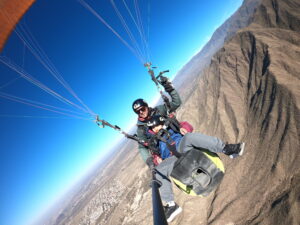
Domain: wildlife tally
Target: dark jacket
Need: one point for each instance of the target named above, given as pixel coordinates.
(158, 110)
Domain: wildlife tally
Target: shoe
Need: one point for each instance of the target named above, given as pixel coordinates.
(234, 150)
(172, 211)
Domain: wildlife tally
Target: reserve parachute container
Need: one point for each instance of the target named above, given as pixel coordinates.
(198, 172)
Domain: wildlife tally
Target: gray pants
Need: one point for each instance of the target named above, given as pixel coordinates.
(188, 142)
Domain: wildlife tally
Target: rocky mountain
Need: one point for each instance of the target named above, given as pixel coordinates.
(240, 19)
(248, 91)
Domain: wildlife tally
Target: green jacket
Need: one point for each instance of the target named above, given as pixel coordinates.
(158, 110)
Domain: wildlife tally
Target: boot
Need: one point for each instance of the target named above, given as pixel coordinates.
(234, 150)
(171, 211)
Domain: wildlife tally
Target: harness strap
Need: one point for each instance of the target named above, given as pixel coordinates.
(173, 123)
(171, 146)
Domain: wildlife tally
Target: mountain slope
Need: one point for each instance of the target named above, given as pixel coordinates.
(249, 91)
(240, 19)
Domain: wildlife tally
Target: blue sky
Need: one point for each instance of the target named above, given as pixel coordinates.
(43, 153)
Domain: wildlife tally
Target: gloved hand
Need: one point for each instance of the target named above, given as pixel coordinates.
(150, 163)
(164, 81)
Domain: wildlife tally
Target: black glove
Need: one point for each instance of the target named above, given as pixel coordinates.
(166, 84)
(150, 163)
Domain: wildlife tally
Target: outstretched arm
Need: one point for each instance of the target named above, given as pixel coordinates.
(174, 103)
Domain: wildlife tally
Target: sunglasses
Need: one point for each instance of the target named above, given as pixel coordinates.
(142, 109)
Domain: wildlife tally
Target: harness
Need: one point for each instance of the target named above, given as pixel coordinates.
(170, 122)
(196, 172)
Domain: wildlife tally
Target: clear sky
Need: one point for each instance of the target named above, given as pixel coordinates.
(43, 152)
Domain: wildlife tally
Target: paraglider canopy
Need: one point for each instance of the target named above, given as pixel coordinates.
(11, 11)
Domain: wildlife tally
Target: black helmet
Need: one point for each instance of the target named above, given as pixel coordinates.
(137, 104)
(155, 121)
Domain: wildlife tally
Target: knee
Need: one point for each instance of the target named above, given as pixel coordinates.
(187, 138)
(187, 135)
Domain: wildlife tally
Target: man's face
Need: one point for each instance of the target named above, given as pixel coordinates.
(143, 112)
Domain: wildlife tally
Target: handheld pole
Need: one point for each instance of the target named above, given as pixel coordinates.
(159, 217)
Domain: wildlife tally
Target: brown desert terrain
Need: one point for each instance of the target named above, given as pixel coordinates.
(248, 90)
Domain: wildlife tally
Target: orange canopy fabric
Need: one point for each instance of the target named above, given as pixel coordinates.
(11, 11)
